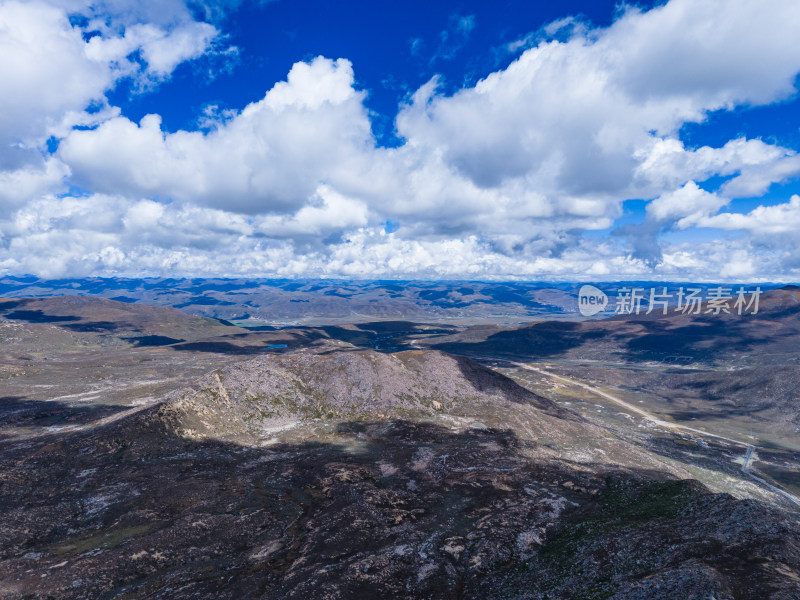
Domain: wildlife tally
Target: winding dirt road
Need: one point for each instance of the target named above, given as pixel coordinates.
(749, 448)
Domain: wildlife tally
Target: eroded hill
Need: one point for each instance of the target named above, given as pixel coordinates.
(339, 381)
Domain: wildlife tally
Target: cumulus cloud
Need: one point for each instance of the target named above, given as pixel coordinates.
(121, 236)
(762, 221)
(666, 163)
(502, 178)
(685, 205)
(330, 212)
(50, 53)
(677, 209)
(115, 235)
(161, 49)
(272, 156)
(18, 186)
(63, 58)
(578, 117)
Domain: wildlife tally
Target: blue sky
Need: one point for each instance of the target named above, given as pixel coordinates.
(513, 140)
(395, 49)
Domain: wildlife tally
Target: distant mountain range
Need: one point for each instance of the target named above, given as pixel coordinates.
(281, 302)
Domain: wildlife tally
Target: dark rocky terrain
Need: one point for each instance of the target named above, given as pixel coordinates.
(346, 462)
(373, 510)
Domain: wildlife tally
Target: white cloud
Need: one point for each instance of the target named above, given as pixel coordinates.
(55, 72)
(330, 212)
(48, 55)
(665, 163)
(143, 216)
(272, 156)
(162, 49)
(577, 118)
(699, 56)
(755, 180)
(54, 79)
(685, 205)
(20, 185)
(762, 221)
(116, 236)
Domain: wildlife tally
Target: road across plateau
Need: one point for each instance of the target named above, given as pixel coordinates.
(674, 426)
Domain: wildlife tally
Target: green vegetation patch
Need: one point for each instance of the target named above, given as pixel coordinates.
(624, 505)
(107, 539)
(629, 502)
